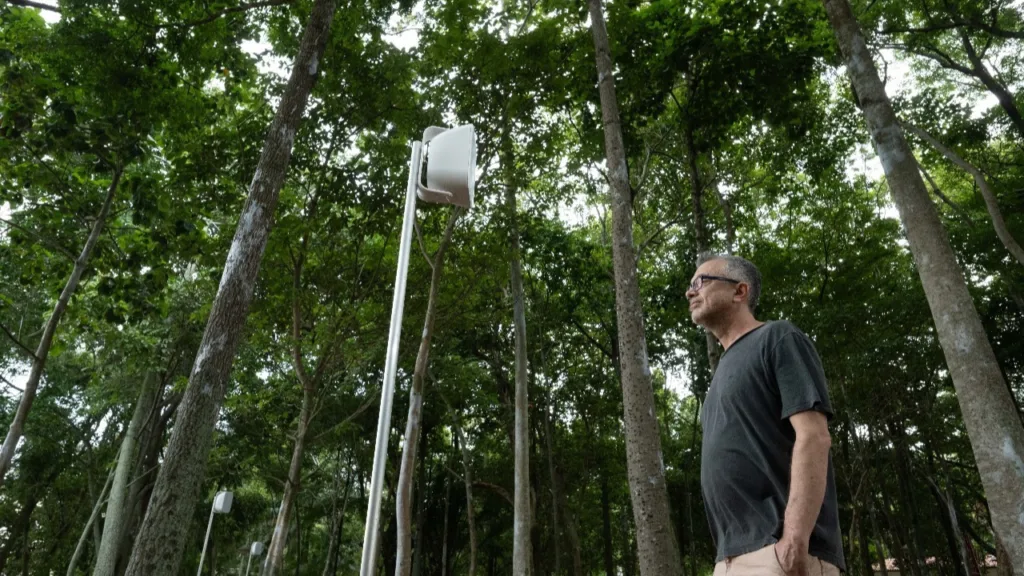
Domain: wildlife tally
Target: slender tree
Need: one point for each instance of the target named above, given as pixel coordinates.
(992, 422)
(656, 541)
(42, 351)
(162, 536)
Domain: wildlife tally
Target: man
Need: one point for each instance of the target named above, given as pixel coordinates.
(766, 474)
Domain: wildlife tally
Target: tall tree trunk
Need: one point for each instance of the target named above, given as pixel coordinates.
(141, 487)
(992, 422)
(407, 472)
(42, 352)
(117, 516)
(628, 548)
(862, 539)
(522, 555)
(80, 547)
(421, 496)
(444, 536)
(700, 232)
(655, 539)
(879, 540)
(573, 536)
(950, 524)
(606, 528)
(275, 551)
(555, 532)
(467, 476)
(19, 531)
(417, 556)
(310, 384)
(298, 537)
(337, 529)
(908, 516)
(164, 532)
(987, 193)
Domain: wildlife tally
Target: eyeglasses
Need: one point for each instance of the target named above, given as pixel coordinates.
(703, 279)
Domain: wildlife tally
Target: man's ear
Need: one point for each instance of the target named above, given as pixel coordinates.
(742, 291)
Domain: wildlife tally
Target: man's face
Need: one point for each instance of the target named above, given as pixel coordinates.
(714, 299)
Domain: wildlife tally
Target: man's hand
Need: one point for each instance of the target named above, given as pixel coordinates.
(793, 557)
(808, 474)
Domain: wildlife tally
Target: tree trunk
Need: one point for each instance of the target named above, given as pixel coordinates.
(310, 383)
(407, 472)
(573, 535)
(993, 425)
(117, 516)
(955, 540)
(467, 476)
(80, 547)
(987, 193)
(863, 545)
(606, 528)
(337, 527)
(19, 532)
(700, 233)
(655, 539)
(628, 548)
(275, 551)
(522, 554)
(28, 396)
(554, 486)
(417, 556)
(879, 540)
(164, 532)
(444, 536)
(1004, 561)
(141, 487)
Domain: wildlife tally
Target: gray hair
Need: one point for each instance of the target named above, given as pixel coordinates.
(741, 269)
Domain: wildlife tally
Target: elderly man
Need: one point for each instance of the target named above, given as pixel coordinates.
(766, 474)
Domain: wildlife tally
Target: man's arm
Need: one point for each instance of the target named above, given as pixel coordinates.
(808, 473)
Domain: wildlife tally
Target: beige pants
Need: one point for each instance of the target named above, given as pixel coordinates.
(763, 562)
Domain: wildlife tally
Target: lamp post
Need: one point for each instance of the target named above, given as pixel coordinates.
(221, 505)
(449, 174)
(255, 550)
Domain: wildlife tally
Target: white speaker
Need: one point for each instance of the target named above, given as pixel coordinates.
(257, 549)
(222, 502)
(451, 166)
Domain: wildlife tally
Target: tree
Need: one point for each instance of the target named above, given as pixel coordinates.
(997, 436)
(161, 538)
(655, 537)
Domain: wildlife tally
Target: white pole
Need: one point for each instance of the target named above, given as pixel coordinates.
(387, 394)
(209, 527)
(247, 565)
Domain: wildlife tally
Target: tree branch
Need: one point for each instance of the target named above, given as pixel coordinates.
(991, 202)
(369, 402)
(14, 339)
(64, 251)
(938, 192)
(10, 385)
(591, 339)
(423, 246)
(225, 12)
(496, 489)
(31, 4)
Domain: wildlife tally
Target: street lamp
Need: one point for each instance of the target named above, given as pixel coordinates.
(450, 172)
(221, 505)
(255, 550)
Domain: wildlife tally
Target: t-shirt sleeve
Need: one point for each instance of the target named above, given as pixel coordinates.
(799, 375)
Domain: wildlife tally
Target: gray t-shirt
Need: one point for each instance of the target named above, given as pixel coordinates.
(766, 376)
